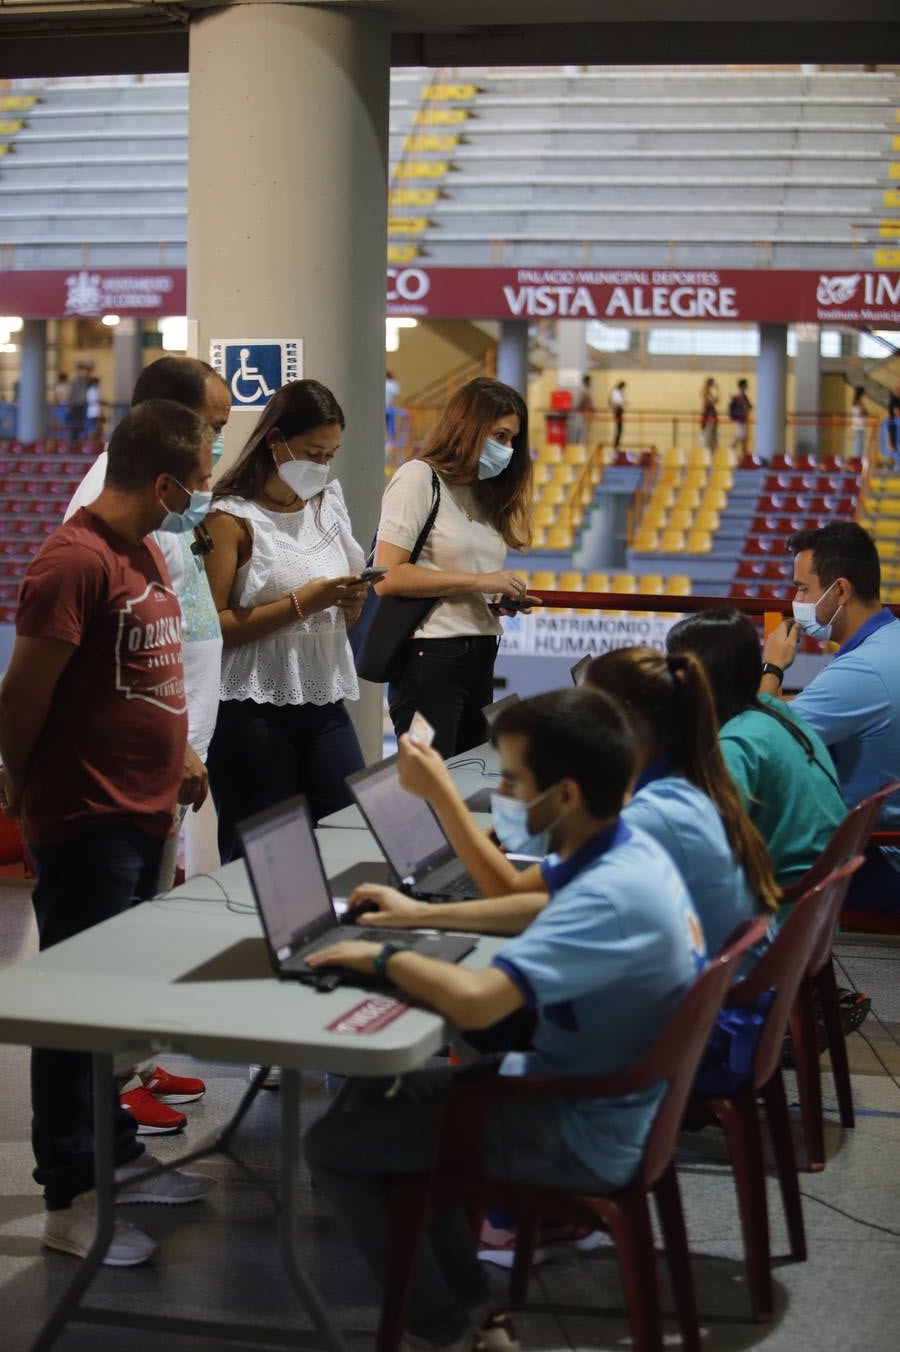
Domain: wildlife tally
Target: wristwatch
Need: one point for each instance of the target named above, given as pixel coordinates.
(772, 669)
(387, 952)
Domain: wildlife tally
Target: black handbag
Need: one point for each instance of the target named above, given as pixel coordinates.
(388, 622)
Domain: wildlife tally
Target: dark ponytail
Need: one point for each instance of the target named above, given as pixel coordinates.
(671, 698)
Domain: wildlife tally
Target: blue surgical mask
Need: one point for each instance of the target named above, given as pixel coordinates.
(510, 821)
(179, 523)
(218, 447)
(493, 459)
(805, 615)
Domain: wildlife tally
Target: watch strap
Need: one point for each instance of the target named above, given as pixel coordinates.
(772, 669)
(387, 952)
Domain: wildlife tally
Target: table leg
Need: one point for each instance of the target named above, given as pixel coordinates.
(105, 1099)
(288, 1217)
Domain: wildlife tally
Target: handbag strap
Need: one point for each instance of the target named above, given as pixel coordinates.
(429, 520)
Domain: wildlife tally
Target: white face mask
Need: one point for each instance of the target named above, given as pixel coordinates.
(303, 477)
(805, 615)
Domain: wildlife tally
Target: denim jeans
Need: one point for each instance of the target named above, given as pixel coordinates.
(876, 886)
(449, 680)
(91, 876)
(365, 1137)
(263, 753)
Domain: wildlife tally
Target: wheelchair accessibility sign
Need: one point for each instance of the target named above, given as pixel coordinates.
(254, 368)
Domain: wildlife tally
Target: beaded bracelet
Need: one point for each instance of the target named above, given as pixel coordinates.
(297, 606)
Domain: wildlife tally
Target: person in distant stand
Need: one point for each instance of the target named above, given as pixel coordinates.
(709, 417)
(739, 410)
(617, 408)
(584, 410)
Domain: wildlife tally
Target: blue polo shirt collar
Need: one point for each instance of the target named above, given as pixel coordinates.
(557, 875)
(865, 631)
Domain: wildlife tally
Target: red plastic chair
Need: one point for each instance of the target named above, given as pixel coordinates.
(780, 970)
(849, 841)
(457, 1178)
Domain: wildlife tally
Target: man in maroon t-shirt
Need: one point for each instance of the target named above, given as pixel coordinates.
(93, 729)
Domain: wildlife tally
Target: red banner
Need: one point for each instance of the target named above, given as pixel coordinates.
(94, 292)
(622, 295)
(615, 295)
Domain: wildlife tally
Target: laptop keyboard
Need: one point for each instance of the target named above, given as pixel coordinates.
(457, 889)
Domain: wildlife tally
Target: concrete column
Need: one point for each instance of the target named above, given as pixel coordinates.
(287, 216)
(807, 387)
(32, 423)
(771, 373)
(512, 354)
(571, 352)
(128, 362)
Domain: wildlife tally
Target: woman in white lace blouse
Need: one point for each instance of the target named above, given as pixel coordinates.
(284, 574)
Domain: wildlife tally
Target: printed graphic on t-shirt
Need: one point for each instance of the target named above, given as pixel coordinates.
(148, 650)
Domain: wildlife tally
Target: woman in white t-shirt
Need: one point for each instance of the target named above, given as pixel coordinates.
(479, 452)
(284, 574)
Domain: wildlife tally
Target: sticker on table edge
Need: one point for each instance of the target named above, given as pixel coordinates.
(369, 1016)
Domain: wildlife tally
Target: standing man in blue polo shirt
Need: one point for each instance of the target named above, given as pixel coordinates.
(602, 967)
(854, 703)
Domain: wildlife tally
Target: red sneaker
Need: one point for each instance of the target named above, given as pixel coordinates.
(153, 1118)
(168, 1088)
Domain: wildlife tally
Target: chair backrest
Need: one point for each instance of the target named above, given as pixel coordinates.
(849, 840)
(783, 964)
(675, 1054)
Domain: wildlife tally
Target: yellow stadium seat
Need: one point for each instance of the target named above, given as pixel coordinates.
(623, 582)
(554, 493)
(542, 582)
(688, 497)
(672, 456)
(651, 584)
(559, 537)
(571, 581)
(663, 495)
(542, 472)
(562, 474)
(679, 584)
(706, 519)
(699, 542)
(645, 541)
(575, 455)
(549, 453)
(596, 582)
(695, 478)
(889, 549)
(891, 572)
(671, 541)
(539, 539)
(714, 499)
(721, 478)
(654, 518)
(544, 514)
(680, 518)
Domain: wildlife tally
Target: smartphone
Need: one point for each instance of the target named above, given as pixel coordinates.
(420, 730)
(372, 574)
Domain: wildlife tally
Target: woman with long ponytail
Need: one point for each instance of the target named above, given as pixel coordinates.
(683, 795)
(780, 766)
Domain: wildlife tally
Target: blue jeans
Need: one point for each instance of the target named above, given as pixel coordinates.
(876, 886)
(263, 753)
(364, 1138)
(449, 680)
(91, 876)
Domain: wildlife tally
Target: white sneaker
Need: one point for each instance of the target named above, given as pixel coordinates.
(175, 1188)
(72, 1231)
(272, 1079)
(469, 1342)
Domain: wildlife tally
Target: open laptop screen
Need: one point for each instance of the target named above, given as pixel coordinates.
(406, 827)
(283, 862)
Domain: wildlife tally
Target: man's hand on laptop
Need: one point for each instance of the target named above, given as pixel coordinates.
(355, 954)
(392, 910)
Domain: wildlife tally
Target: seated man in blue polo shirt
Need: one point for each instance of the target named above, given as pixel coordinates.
(854, 702)
(602, 966)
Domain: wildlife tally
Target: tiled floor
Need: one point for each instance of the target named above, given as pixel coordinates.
(219, 1258)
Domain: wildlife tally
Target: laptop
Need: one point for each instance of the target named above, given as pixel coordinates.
(295, 901)
(420, 858)
(491, 711)
(581, 667)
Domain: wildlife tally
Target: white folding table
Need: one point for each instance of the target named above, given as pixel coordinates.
(189, 975)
